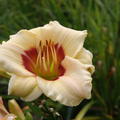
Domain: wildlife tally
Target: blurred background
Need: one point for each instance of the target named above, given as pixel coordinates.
(102, 20)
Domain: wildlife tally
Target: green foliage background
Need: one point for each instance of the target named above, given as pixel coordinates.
(102, 20)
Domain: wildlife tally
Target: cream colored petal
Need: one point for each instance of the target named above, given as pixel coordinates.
(71, 40)
(24, 39)
(33, 95)
(71, 88)
(10, 52)
(85, 57)
(1, 69)
(43, 33)
(24, 87)
(10, 59)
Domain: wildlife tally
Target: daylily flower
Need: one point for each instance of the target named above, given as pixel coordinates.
(14, 109)
(50, 60)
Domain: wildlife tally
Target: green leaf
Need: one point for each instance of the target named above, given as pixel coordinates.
(92, 118)
(28, 116)
(84, 110)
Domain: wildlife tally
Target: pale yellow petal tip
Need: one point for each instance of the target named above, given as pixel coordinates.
(91, 69)
(15, 109)
(89, 96)
(3, 42)
(89, 53)
(84, 33)
(53, 22)
(19, 32)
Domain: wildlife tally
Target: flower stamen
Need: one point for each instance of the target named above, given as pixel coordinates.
(47, 60)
